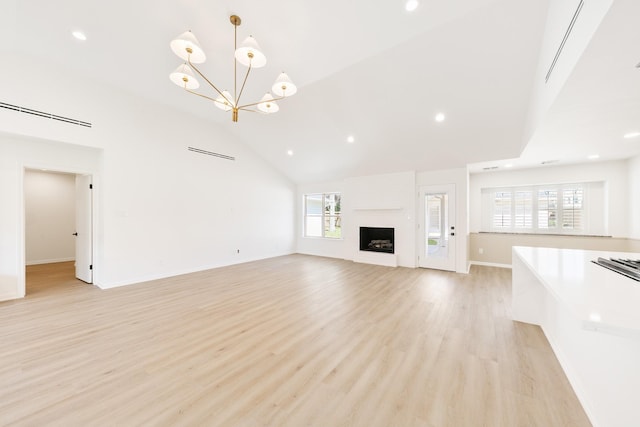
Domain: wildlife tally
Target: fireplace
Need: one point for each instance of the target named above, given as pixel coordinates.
(377, 239)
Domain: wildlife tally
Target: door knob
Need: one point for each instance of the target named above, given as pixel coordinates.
(75, 234)
(453, 234)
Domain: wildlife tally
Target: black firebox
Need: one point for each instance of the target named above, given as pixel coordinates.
(377, 239)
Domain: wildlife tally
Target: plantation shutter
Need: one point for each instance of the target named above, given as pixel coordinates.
(502, 210)
(547, 208)
(572, 208)
(523, 209)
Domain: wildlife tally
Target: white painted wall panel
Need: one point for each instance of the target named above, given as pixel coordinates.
(634, 197)
(49, 203)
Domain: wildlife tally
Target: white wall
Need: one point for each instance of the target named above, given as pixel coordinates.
(614, 173)
(49, 210)
(161, 209)
(634, 197)
(559, 16)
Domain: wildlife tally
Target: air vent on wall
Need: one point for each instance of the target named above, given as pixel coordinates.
(210, 153)
(43, 114)
(564, 40)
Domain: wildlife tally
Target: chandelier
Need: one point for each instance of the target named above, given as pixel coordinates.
(186, 46)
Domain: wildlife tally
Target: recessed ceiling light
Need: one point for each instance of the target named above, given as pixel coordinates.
(440, 117)
(350, 139)
(508, 165)
(411, 5)
(289, 152)
(593, 156)
(631, 135)
(79, 35)
(595, 317)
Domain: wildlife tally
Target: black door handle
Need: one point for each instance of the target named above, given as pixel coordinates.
(75, 234)
(453, 234)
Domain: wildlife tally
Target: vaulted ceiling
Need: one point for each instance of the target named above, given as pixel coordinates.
(367, 69)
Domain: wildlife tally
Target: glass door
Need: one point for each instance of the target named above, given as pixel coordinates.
(436, 227)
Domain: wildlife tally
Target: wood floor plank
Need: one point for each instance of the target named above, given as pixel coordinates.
(287, 341)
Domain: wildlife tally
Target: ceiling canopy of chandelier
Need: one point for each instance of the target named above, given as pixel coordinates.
(186, 46)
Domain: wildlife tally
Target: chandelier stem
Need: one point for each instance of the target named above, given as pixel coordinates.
(235, 64)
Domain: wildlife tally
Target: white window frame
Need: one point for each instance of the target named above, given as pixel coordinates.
(323, 215)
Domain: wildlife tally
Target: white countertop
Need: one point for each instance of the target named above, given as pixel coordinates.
(602, 299)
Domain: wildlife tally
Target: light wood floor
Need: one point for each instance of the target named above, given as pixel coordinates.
(288, 341)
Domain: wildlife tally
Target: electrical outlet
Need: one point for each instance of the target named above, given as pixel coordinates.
(480, 251)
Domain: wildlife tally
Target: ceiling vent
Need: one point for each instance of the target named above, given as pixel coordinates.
(549, 162)
(564, 40)
(210, 153)
(490, 168)
(43, 114)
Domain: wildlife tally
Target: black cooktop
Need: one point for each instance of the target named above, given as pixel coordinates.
(626, 267)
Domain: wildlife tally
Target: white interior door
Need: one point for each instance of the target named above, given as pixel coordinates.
(436, 227)
(84, 238)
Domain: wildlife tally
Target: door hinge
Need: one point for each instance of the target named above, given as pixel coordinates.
(91, 267)
(90, 186)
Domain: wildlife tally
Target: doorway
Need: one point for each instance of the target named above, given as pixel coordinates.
(436, 227)
(58, 227)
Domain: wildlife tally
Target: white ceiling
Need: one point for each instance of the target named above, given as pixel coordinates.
(363, 68)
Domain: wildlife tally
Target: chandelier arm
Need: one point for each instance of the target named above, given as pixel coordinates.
(207, 97)
(247, 109)
(211, 84)
(243, 83)
(260, 102)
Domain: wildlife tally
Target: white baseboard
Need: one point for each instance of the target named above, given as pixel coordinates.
(49, 261)
(489, 264)
(9, 296)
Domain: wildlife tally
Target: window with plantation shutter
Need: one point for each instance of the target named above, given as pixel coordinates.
(545, 209)
(523, 209)
(502, 210)
(572, 208)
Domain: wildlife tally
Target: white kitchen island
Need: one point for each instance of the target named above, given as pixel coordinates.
(591, 317)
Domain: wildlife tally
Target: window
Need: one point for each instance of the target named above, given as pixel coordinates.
(547, 209)
(551, 209)
(502, 210)
(322, 215)
(523, 209)
(572, 208)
